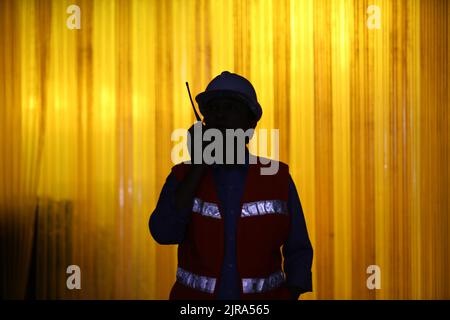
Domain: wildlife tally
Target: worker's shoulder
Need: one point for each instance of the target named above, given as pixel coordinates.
(182, 164)
(181, 168)
(271, 165)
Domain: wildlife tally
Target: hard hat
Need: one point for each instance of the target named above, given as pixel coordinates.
(229, 84)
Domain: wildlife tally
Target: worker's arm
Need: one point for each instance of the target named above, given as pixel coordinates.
(168, 222)
(185, 190)
(172, 213)
(297, 251)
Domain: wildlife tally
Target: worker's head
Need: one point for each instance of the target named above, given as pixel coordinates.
(229, 102)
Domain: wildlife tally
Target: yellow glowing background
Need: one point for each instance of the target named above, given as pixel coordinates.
(86, 117)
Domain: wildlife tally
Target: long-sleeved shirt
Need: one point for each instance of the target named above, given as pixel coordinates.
(168, 225)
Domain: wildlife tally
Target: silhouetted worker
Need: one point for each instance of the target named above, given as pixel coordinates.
(229, 220)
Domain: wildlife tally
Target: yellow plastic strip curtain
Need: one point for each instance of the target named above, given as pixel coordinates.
(357, 89)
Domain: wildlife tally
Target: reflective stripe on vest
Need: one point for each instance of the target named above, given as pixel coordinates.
(249, 285)
(202, 283)
(258, 208)
(207, 209)
(249, 209)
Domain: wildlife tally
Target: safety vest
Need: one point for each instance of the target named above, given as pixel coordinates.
(263, 227)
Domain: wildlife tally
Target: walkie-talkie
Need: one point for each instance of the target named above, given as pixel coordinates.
(192, 102)
(197, 116)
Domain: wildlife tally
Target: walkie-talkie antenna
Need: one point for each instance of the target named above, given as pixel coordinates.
(192, 102)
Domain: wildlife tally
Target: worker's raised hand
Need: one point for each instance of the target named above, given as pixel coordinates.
(195, 143)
